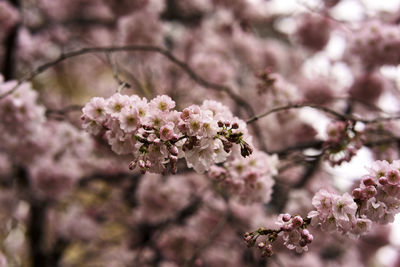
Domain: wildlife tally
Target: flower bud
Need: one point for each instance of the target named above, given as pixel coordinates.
(383, 180)
(245, 150)
(303, 242)
(261, 245)
(157, 141)
(368, 181)
(304, 233)
(148, 164)
(132, 165)
(286, 217)
(141, 164)
(173, 150)
(297, 221)
(369, 191)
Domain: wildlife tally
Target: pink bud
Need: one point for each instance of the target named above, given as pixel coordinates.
(383, 180)
(304, 233)
(141, 164)
(369, 192)
(286, 217)
(297, 221)
(148, 164)
(157, 141)
(368, 181)
(303, 242)
(132, 165)
(261, 245)
(173, 150)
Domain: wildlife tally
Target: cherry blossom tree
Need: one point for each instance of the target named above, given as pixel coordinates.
(199, 133)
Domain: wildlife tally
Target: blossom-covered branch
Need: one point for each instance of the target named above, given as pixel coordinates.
(377, 199)
(157, 136)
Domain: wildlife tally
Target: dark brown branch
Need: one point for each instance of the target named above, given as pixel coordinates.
(317, 144)
(49, 24)
(309, 172)
(10, 44)
(336, 114)
(297, 106)
(132, 48)
(116, 76)
(36, 232)
(64, 111)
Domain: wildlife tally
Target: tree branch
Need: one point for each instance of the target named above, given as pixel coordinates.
(131, 48)
(144, 48)
(336, 114)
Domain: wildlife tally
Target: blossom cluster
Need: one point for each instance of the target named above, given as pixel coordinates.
(313, 31)
(54, 153)
(377, 43)
(21, 118)
(294, 232)
(160, 199)
(250, 179)
(343, 142)
(376, 199)
(378, 194)
(338, 213)
(292, 229)
(157, 135)
(368, 87)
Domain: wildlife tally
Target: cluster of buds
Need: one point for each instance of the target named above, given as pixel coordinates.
(151, 138)
(229, 136)
(343, 142)
(294, 232)
(378, 195)
(157, 135)
(376, 43)
(292, 229)
(264, 246)
(367, 188)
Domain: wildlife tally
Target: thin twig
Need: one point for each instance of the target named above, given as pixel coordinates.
(297, 106)
(130, 48)
(336, 114)
(122, 84)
